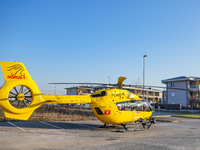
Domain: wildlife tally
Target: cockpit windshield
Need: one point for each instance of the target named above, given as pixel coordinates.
(134, 105)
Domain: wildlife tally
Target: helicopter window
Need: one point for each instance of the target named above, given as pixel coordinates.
(124, 106)
(120, 106)
(138, 105)
(103, 93)
(98, 110)
(146, 106)
(128, 106)
(141, 105)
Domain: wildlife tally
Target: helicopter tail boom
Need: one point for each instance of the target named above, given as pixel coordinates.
(20, 95)
(71, 99)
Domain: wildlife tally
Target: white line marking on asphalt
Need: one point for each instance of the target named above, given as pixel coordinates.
(51, 125)
(16, 126)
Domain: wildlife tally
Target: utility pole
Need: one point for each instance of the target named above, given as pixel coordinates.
(144, 73)
(109, 79)
(55, 89)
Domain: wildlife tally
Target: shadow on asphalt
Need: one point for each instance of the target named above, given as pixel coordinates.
(50, 125)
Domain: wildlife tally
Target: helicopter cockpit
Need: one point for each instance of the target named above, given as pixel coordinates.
(134, 105)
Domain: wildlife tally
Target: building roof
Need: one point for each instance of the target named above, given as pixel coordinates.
(181, 78)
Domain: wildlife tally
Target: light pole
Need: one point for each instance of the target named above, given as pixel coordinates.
(109, 79)
(143, 72)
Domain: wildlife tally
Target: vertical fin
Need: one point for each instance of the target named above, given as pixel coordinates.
(120, 81)
(29, 95)
(14, 71)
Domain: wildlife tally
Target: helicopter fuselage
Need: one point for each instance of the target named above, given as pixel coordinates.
(117, 106)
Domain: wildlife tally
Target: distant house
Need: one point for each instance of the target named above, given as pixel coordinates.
(183, 90)
(80, 90)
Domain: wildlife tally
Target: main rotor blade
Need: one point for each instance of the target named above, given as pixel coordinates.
(161, 87)
(128, 85)
(86, 83)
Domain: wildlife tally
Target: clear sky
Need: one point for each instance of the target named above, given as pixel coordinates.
(89, 40)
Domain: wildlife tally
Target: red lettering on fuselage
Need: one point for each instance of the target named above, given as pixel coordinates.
(16, 77)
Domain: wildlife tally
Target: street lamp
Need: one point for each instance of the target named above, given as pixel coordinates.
(109, 79)
(143, 72)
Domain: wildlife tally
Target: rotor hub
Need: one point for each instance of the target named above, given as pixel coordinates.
(20, 97)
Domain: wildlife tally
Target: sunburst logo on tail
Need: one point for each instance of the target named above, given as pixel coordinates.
(16, 72)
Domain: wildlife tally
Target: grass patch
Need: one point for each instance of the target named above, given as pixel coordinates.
(189, 116)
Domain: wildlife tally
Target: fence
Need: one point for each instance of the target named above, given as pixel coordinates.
(176, 106)
(58, 113)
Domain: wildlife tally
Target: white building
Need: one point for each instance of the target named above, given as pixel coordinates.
(182, 90)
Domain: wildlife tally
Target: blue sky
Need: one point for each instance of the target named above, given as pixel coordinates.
(89, 40)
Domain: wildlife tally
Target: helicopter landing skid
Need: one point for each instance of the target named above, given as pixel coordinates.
(131, 129)
(108, 126)
(104, 126)
(147, 123)
(143, 126)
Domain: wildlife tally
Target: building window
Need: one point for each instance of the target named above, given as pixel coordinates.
(172, 84)
(156, 94)
(173, 94)
(192, 84)
(150, 93)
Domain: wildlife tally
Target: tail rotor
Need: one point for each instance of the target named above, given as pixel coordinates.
(20, 96)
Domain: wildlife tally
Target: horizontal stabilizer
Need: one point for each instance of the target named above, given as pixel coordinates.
(24, 116)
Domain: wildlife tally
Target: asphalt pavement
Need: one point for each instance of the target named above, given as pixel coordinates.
(87, 135)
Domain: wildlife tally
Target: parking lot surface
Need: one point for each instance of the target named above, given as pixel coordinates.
(87, 135)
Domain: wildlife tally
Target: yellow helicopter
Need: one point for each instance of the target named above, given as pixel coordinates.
(20, 96)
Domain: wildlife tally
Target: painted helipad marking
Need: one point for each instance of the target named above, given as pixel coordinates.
(16, 126)
(51, 125)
